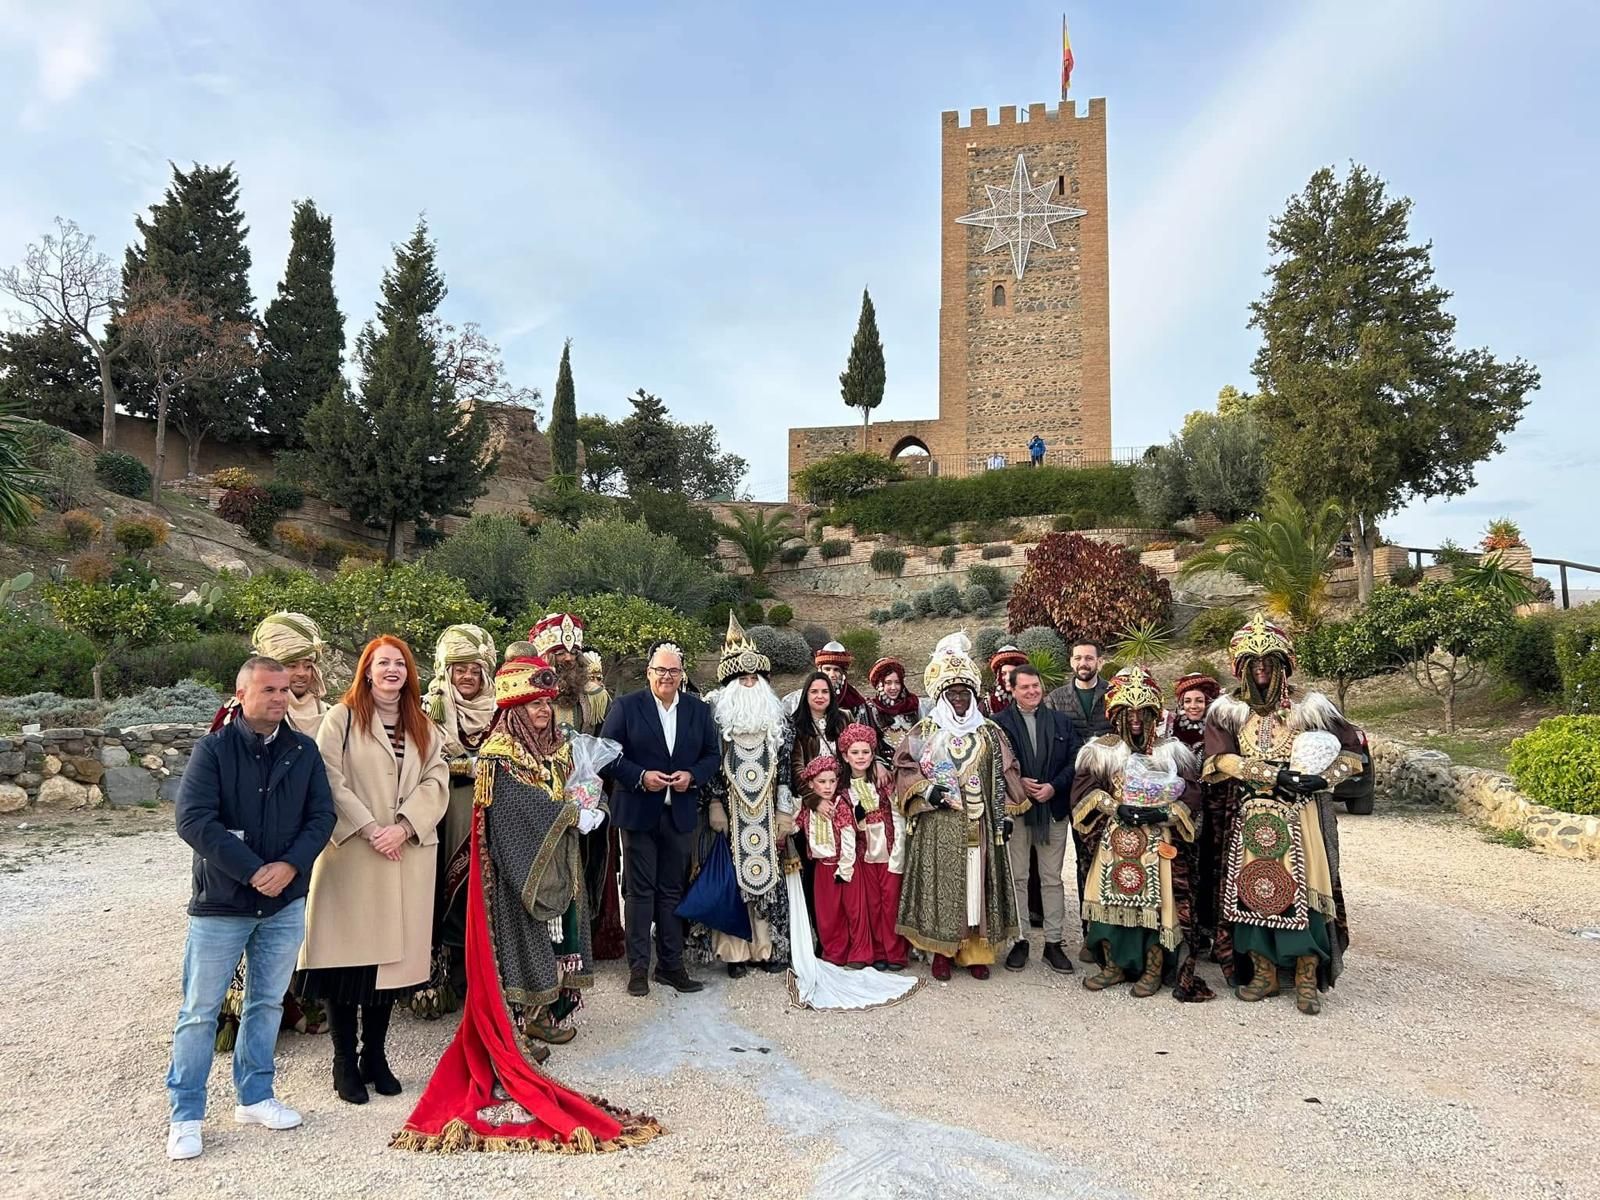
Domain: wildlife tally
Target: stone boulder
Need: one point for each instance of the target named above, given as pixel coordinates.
(113, 756)
(82, 768)
(129, 787)
(60, 792)
(12, 798)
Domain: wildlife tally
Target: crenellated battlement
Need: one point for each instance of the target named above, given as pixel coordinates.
(979, 118)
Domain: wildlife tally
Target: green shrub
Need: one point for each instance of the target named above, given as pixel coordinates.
(232, 479)
(947, 556)
(794, 552)
(40, 656)
(1558, 763)
(80, 526)
(122, 473)
(715, 617)
(1084, 588)
(922, 602)
(975, 598)
(779, 616)
(986, 641)
(621, 628)
(68, 476)
(1004, 550)
(842, 476)
(1041, 638)
(610, 554)
(888, 561)
(674, 515)
(943, 538)
(493, 556)
(1406, 576)
(1578, 657)
(833, 548)
(787, 650)
(214, 657)
(863, 645)
(48, 709)
(1199, 665)
(138, 534)
(878, 616)
(900, 610)
(1212, 627)
(1527, 658)
(299, 542)
(991, 579)
(284, 495)
(919, 508)
(750, 613)
(815, 636)
(187, 702)
(253, 510)
(91, 567)
(945, 599)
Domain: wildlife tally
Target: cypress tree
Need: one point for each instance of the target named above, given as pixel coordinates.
(400, 448)
(304, 331)
(861, 383)
(194, 242)
(564, 418)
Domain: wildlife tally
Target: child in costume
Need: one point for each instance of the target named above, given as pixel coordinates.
(871, 800)
(829, 825)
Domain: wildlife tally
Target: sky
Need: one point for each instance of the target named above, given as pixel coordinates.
(696, 193)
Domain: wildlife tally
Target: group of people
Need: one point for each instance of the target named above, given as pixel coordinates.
(468, 848)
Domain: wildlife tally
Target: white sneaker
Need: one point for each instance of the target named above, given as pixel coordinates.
(271, 1112)
(183, 1140)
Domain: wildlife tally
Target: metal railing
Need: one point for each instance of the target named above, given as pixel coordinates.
(1563, 565)
(958, 466)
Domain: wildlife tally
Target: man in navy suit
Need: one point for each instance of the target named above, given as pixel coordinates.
(669, 751)
(1046, 746)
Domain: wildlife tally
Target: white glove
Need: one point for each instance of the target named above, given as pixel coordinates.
(590, 819)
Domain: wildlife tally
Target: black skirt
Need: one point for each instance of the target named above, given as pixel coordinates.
(347, 985)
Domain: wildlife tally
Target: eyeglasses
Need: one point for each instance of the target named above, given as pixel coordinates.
(666, 672)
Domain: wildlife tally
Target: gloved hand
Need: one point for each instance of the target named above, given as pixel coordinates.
(590, 819)
(1006, 826)
(1304, 785)
(1139, 814)
(717, 817)
(840, 877)
(939, 796)
(861, 813)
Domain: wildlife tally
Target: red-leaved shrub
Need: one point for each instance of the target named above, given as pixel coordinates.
(1084, 588)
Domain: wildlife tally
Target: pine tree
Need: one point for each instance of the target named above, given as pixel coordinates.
(1366, 400)
(194, 243)
(564, 418)
(862, 382)
(49, 374)
(400, 448)
(648, 446)
(304, 331)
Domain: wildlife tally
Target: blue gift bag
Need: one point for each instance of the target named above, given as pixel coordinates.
(713, 898)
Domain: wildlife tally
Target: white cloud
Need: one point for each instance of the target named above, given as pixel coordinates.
(68, 45)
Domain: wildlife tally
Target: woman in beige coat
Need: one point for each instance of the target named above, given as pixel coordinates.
(369, 915)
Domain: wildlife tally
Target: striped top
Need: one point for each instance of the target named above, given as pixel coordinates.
(397, 742)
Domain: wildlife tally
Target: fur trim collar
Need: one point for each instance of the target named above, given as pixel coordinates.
(1313, 710)
(1108, 754)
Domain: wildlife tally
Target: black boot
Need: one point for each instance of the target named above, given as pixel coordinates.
(374, 1066)
(346, 1075)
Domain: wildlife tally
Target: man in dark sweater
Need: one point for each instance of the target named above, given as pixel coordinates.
(256, 808)
(1082, 700)
(1046, 747)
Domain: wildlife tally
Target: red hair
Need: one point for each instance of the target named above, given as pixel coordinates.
(358, 698)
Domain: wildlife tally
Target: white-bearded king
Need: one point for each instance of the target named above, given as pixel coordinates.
(749, 800)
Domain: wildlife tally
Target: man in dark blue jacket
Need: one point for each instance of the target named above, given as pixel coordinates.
(1046, 746)
(255, 806)
(669, 752)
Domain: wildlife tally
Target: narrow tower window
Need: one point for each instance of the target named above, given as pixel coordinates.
(999, 300)
(1061, 185)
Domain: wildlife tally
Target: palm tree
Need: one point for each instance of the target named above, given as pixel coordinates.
(759, 534)
(20, 481)
(1287, 551)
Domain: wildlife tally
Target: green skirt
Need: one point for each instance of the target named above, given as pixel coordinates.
(1128, 944)
(1283, 946)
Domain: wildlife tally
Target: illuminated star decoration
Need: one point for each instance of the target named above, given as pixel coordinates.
(1020, 216)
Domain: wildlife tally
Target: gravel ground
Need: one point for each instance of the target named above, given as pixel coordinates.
(1458, 1057)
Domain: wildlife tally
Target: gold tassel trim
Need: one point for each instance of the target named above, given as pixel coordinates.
(458, 1137)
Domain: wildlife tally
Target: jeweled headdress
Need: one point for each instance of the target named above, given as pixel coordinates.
(557, 629)
(951, 664)
(1260, 639)
(1133, 688)
(740, 655)
(524, 680)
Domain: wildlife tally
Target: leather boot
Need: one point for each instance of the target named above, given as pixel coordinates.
(1149, 983)
(1263, 983)
(374, 1064)
(1306, 997)
(346, 1075)
(1109, 974)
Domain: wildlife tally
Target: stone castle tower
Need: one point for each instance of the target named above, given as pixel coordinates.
(1024, 306)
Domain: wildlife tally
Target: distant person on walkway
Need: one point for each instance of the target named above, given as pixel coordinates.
(670, 750)
(1046, 747)
(997, 461)
(255, 806)
(1036, 451)
(369, 917)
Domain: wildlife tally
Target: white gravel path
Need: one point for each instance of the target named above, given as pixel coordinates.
(1460, 1056)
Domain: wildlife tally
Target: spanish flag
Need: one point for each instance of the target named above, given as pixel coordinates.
(1066, 58)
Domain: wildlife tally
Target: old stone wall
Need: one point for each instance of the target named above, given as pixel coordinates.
(1412, 775)
(87, 768)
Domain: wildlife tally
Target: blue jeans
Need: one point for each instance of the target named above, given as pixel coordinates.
(270, 946)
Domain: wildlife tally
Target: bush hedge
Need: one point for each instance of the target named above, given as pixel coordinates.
(991, 579)
(816, 636)
(1037, 638)
(41, 656)
(794, 552)
(900, 610)
(787, 649)
(888, 561)
(986, 641)
(1084, 588)
(621, 628)
(80, 526)
(947, 556)
(137, 534)
(863, 645)
(1527, 658)
(779, 616)
(834, 548)
(920, 508)
(123, 474)
(945, 599)
(1558, 763)
(975, 598)
(1001, 551)
(1212, 627)
(213, 659)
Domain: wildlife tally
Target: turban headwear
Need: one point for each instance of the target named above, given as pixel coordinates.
(461, 644)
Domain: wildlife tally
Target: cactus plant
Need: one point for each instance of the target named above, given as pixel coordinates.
(17, 583)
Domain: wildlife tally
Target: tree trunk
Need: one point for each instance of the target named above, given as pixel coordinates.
(108, 410)
(866, 417)
(94, 675)
(1342, 687)
(1450, 698)
(163, 395)
(192, 466)
(1364, 542)
(392, 550)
